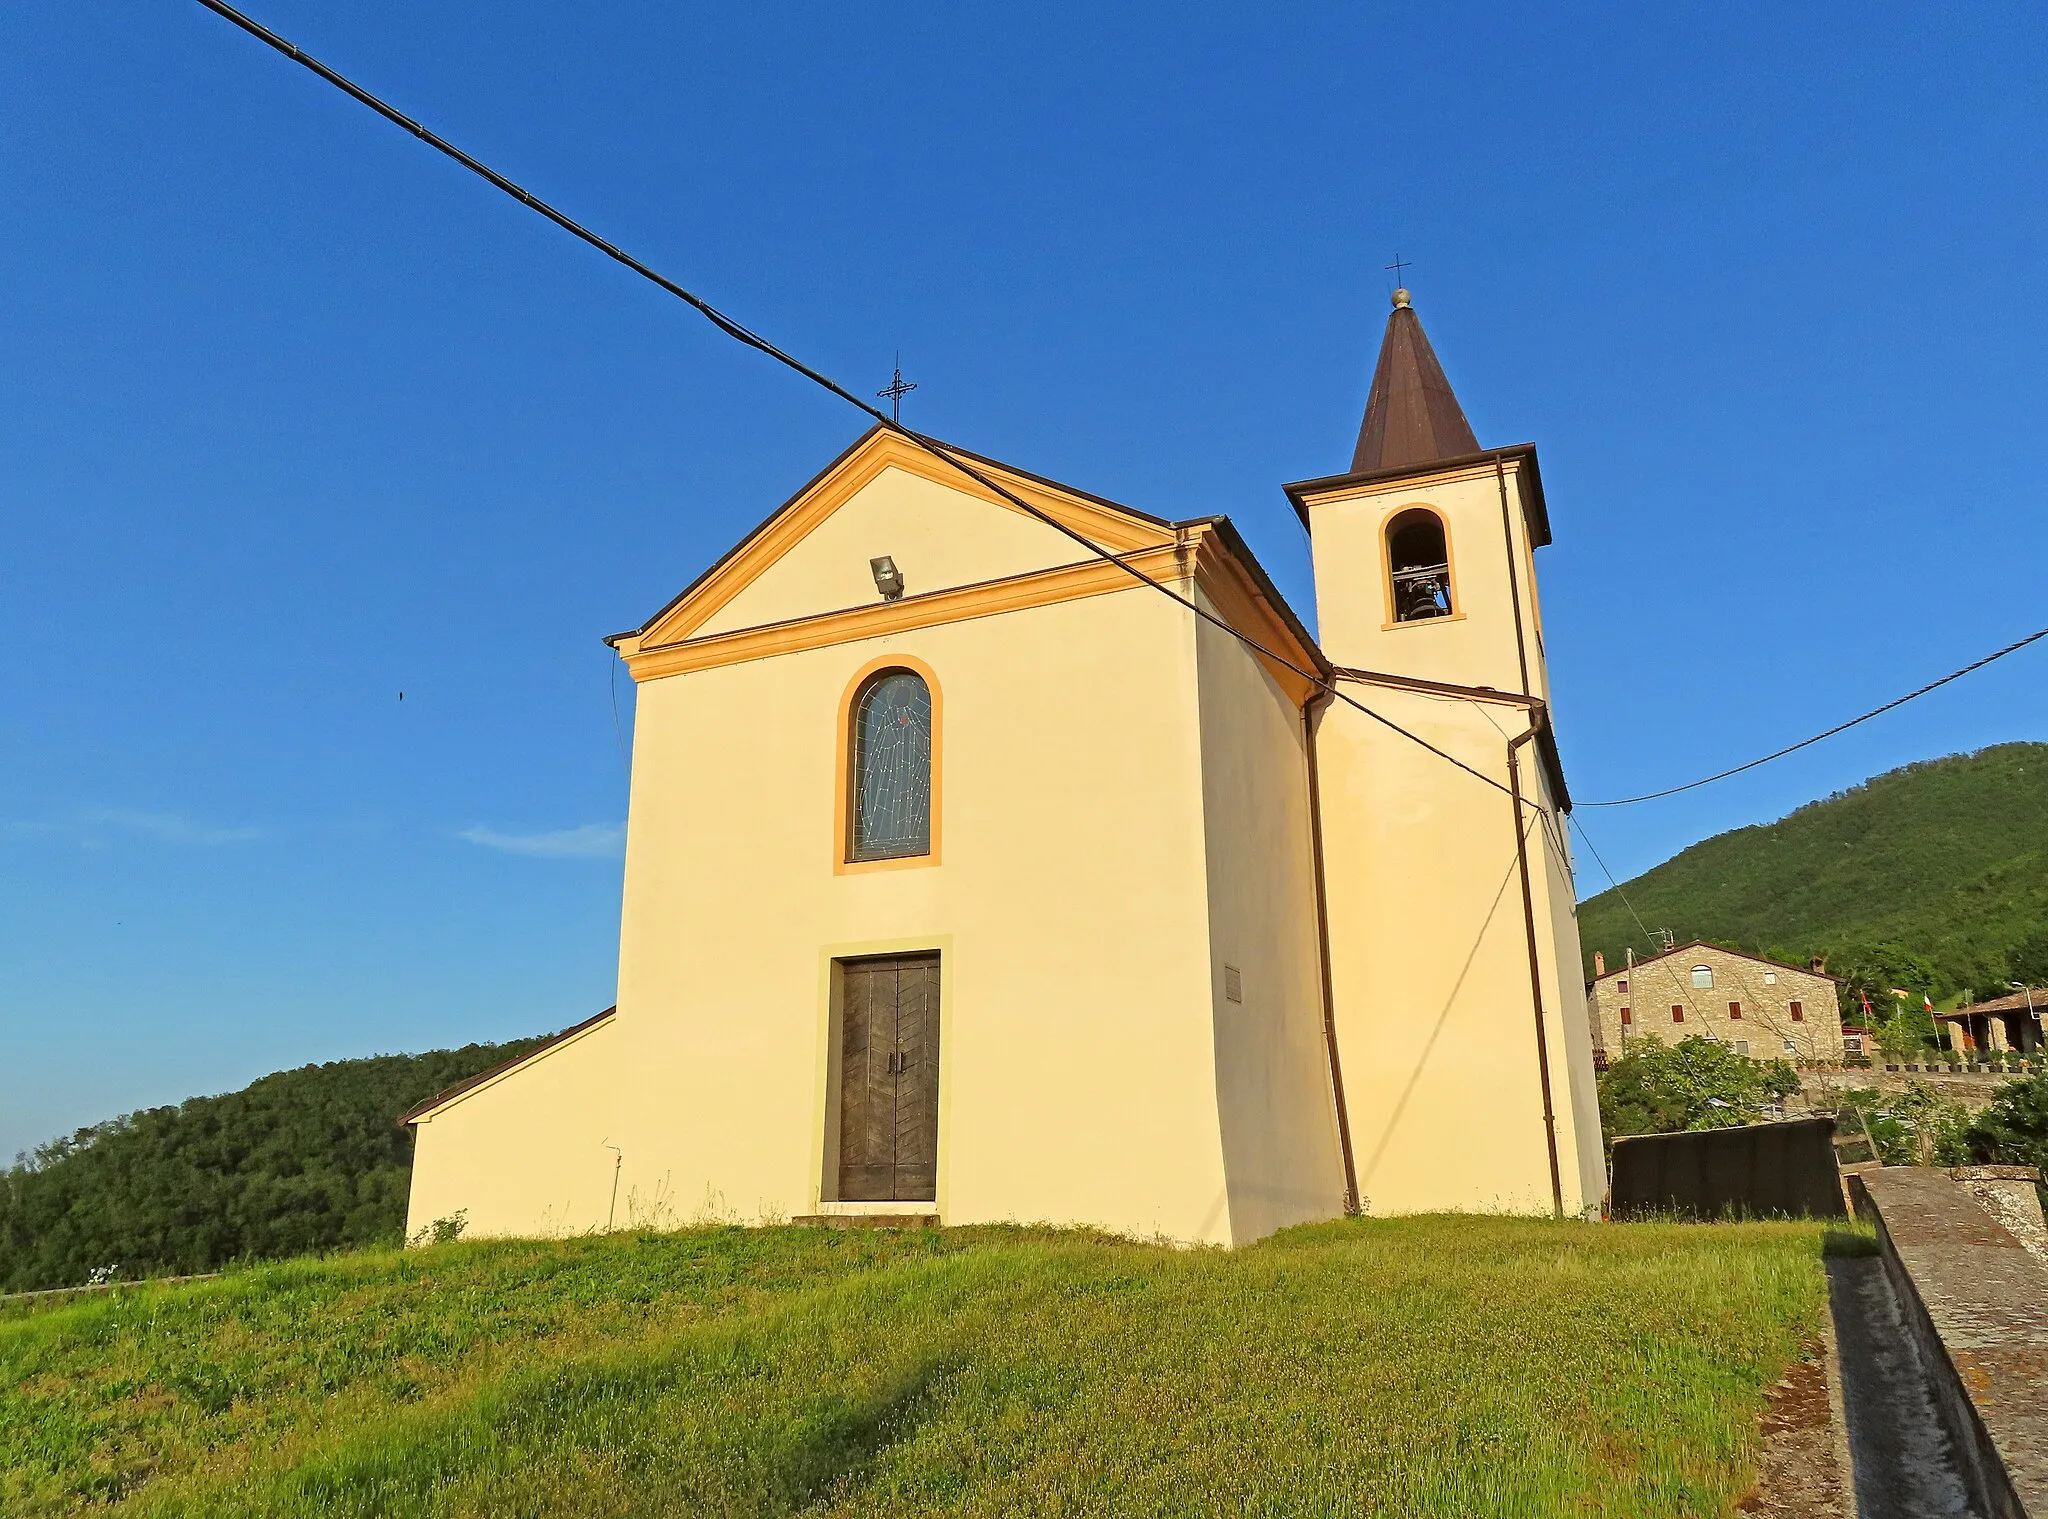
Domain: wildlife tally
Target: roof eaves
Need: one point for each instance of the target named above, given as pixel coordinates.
(1740, 954)
(2012, 1002)
(1233, 542)
(1553, 763)
(1440, 687)
(420, 1109)
(759, 528)
(1523, 453)
(843, 455)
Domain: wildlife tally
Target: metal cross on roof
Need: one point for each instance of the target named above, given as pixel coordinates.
(895, 391)
(1397, 266)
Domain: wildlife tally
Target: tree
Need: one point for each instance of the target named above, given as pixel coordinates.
(1944, 857)
(1875, 971)
(2013, 1131)
(1915, 1127)
(1695, 1084)
(2027, 961)
(1908, 1034)
(312, 1159)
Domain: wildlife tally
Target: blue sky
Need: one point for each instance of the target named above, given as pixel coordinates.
(295, 416)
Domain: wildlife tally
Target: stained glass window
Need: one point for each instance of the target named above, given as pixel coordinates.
(892, 768)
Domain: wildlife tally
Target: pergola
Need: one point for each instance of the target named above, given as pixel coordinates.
(1999, 1023)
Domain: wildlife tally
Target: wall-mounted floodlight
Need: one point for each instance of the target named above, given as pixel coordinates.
(888, 579)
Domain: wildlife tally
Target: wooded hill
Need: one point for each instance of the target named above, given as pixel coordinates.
(1933, 878)
(304, 1160)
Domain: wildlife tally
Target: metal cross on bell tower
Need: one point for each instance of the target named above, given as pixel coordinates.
(895, 391)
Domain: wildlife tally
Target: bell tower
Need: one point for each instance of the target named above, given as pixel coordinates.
(1452, 947)
(1424, 551)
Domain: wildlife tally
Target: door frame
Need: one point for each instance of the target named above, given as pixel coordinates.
(830, 1059)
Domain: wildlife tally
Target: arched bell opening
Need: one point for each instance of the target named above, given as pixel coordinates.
(1419, 565)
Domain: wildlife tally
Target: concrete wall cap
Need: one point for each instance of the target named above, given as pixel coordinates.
(1994, 1173)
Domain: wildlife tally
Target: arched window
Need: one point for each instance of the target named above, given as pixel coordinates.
(891, 773)
(1703, 975)
(1419, 565)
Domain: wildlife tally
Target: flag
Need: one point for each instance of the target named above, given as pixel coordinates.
(1926, 1003)
(1866, 1007)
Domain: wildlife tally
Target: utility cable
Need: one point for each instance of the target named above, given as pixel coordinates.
(1648, 938)
(1757, 1000)
(742, 334)
(1651, 796)
(618, 731)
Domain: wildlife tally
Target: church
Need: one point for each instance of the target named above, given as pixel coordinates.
(969, 878)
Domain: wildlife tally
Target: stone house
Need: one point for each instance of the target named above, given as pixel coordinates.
(1765, 1009)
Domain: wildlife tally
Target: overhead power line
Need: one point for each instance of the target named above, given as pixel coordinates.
(742, 334)
(1651, 796)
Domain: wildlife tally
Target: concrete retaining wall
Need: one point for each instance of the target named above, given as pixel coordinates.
(1976, 1299)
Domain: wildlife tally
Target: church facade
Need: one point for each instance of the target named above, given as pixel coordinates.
(968, 876)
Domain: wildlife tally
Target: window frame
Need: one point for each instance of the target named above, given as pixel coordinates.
(1703, 986)
(1387, 524)
(845, 778)
(1678, 1012)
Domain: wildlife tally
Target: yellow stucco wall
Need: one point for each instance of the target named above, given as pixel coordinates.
(525, 1153)
(1077, 1059)
(1273, 1089)
(1429, 960)
(1557, 908)
(1121, 813)
(1476, 645)
(1429, 952)
(937, 536)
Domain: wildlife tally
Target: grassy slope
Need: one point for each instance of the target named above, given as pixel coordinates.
(1444, 1366)
(1949, 858)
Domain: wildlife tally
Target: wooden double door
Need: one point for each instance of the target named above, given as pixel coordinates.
(889, 1080)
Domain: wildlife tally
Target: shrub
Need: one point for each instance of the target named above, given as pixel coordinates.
(1695, 1084)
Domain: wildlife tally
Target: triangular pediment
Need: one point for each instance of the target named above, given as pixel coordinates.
(886, 495)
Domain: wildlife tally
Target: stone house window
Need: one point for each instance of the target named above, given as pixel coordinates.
(1770, 978)
(1735, 1009)
(1627, 1017)
(1622, 987)
(1703, 976)
(1677, 1013)
(1799, 1012)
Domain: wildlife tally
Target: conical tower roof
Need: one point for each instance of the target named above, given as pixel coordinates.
(1411, 416)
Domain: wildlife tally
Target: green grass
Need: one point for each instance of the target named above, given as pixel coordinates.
(1436, 1366)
